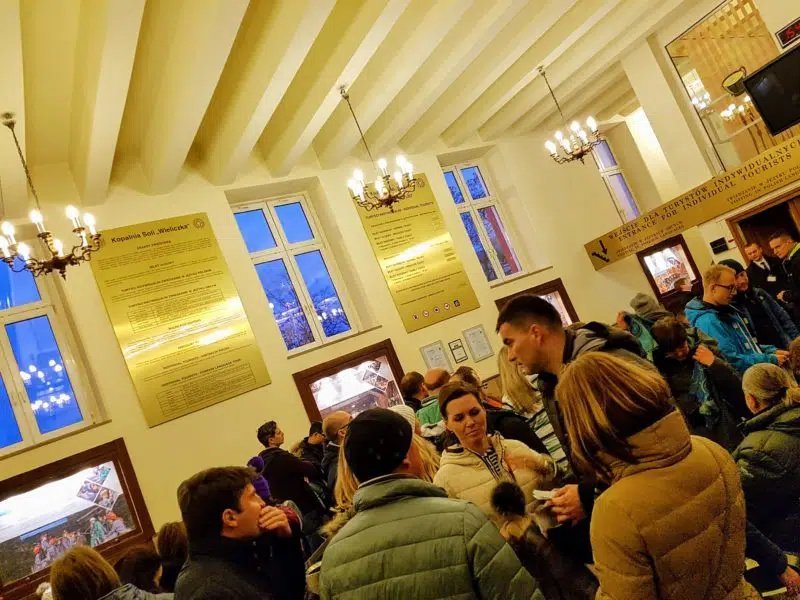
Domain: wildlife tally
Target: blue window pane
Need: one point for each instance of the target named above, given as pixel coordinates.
(605, 158)
(17, 289)
(323, 293)
(474, 180)
(9, 430)
(283, 301)
(42, 370)
(496, 233)
(455, 190)
(477, 245)
(294, 222)
(624, 196)
(255, 230)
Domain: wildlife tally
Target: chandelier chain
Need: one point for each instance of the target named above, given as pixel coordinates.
(550, 89)
(9, 122)
(346, 97)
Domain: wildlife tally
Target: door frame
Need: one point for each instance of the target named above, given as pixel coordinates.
(733, 221)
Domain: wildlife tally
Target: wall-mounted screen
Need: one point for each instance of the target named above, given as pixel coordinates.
(775, 90)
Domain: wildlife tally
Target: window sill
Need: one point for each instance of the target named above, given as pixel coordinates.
(505, 282)
(55, 439)
(334, 342)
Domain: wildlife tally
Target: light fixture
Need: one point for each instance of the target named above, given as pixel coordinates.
(388, 188)
(576, 143)
(14, 253)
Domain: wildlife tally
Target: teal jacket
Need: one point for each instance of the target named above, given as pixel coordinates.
(429, 413)
(408, 540)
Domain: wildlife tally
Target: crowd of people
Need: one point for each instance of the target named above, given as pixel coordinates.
(642, 459)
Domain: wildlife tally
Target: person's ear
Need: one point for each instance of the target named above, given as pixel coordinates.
(229, 518)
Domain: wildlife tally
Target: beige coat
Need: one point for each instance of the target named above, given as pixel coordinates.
(673, 526)
(464, 475)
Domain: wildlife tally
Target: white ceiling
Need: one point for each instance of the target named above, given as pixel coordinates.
(97, 82)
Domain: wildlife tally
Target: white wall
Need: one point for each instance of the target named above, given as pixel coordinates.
(626, 150)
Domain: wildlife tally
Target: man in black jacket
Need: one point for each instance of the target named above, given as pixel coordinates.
(787, 249)
(765, 272)
(531, 329)
(312, 448)
(239, 548)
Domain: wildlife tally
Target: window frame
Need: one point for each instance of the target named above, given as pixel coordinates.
(554, 286)
(287, 252)
(472, 206)
(677, 240)
(607, 173)
(50, 305)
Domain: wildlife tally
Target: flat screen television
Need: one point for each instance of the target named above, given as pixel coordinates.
(775, 91)
(90, 499)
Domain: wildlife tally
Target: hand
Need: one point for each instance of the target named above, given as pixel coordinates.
(704, 356)
(783, 356)
(621, 320)
(780, 296)
(531, 463)
(791, 579)
(566, 505)
(274, 520)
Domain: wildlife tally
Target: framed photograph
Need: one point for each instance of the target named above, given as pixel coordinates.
(88, 499)
(435, 356)
(478, 343)
(458, 351)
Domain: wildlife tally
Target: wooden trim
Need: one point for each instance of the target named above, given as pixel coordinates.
(736, 230)
(668, 243)
(548, 287)
(304, 379)
(114, 451)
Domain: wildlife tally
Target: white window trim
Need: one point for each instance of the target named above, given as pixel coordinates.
(471, 206)
(49, 305)
(287, 252)
(606, 174)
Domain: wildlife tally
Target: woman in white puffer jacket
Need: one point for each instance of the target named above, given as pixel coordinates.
(471, 469)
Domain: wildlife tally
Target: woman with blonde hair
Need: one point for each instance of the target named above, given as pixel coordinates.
(769, 456)
(672, 523)
(83, 574)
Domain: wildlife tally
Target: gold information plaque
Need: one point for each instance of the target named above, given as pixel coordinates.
(767, 172)
(424, 274)
(177, 315)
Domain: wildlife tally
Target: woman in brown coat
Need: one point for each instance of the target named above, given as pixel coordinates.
(672, 523)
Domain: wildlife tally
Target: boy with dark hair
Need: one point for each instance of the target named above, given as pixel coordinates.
(239, 548)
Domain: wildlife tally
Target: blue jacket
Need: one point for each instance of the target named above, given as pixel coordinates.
(778, 317)
(725, 324)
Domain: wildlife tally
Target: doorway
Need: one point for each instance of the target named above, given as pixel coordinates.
(758, 224)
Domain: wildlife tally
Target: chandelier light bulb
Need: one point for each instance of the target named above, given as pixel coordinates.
(398, 177)
(379, 186)
(72, 212)
(358, 174)
(58, 245)
(551, 147)
(36, 217)
(8, 231)
(574, 126)
(559, 135)
(24, 251)
(401, 161)
(382, 164)
(409, 169)
(90, 221)
(591, 124)
(4, 246)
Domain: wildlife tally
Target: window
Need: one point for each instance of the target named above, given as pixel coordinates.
(552, 291)
(667, 262)
(42, 395)
(296, 271)
(615, 181)
(482, 217)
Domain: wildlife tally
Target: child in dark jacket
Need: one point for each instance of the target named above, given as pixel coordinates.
(560, 577)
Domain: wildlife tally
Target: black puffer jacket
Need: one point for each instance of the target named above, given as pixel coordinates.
(769, 464)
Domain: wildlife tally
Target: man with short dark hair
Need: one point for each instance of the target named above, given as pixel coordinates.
(312, 447)
(786, 249)
(715, 317)
(335, 427)
(413, 390)
(765, 272)
(435, 380)
(407, 539)
(531, 329)
(239, 548)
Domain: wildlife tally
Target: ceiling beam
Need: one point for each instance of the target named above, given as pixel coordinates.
(348, 40)
(12, 99)
(274, 41)
(609, 104)
(629, 23)
(184, 47)
(470, 37)
(532, 23)
(411, 42)
(108, 32)
(568, 31)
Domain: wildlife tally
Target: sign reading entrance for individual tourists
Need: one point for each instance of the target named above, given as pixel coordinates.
(424, 274)
(177, 315)
(767, 172)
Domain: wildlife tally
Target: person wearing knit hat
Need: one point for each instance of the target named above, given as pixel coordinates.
(647, 307)
(406, 535)
(405, 411)
(765, 317)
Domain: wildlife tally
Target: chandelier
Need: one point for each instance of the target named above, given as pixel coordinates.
(388, 188)
(18, 255)
(576, 143)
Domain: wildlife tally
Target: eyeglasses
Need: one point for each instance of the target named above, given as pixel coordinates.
(729, 288)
